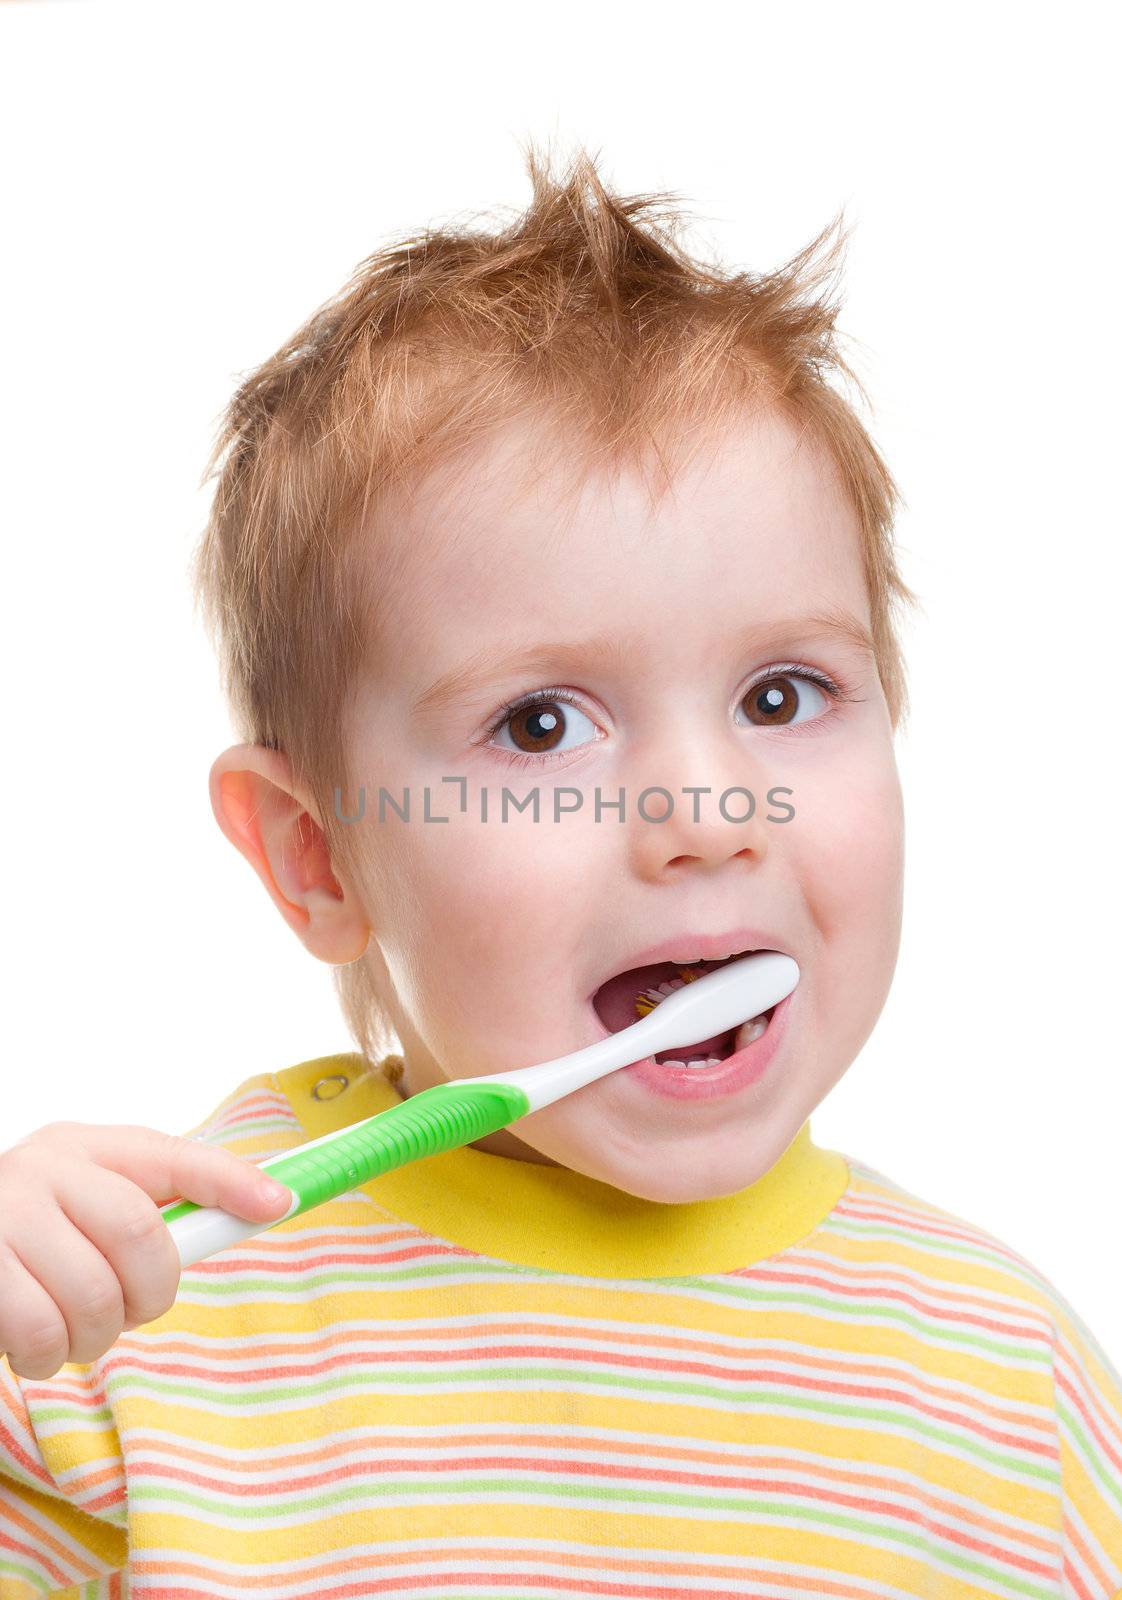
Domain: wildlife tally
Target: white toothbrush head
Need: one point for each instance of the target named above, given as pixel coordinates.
(717, 1001)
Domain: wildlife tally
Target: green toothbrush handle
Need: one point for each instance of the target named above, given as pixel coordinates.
(440, 1118)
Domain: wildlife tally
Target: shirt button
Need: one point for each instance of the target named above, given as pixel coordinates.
(330, 1088)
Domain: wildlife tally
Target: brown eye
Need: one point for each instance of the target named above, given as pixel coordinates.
(542, 726)
(776, 701)
(537, 728)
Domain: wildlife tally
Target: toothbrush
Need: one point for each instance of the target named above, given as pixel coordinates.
(465, 1109)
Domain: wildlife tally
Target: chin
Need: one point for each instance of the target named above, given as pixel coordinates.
(684, 1176)
(681, 1189)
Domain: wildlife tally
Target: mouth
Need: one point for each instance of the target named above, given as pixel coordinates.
(627, 996)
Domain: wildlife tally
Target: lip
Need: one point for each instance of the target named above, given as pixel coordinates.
(706, 946)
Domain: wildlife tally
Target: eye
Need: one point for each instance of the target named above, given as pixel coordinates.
(774, 702)
(544, 724)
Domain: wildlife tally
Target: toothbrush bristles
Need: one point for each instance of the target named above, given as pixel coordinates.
(646, 1002)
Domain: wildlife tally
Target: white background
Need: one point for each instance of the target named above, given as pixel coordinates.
(183, 184)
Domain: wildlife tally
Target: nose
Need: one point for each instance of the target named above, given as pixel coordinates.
(711, 797)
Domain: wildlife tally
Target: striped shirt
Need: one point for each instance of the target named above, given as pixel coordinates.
(479, 1376)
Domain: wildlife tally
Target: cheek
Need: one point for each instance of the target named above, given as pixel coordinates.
(486, 920)
(848, 838)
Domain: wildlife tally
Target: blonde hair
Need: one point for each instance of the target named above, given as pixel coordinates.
(587, 309)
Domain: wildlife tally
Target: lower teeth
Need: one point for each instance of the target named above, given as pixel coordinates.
(746, 1034)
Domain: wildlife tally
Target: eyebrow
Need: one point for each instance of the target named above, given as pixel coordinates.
(488, 663)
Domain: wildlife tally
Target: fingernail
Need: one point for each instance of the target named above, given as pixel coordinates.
(272, 1191)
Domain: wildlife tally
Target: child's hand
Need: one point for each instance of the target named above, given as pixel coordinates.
(84, 1252)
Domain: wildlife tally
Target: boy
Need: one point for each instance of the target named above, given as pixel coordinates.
(552, 509)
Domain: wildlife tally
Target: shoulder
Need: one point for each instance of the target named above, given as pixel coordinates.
(259, 1117)
(965, 1291)
(878, 1217)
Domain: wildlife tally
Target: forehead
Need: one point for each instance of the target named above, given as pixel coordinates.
(532, 455)
(525, 530)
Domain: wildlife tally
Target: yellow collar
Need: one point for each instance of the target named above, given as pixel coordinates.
(560, 1220)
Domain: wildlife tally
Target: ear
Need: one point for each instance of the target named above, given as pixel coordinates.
(263, 814)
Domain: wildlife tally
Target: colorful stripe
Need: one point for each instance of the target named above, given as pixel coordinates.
(897, 1406)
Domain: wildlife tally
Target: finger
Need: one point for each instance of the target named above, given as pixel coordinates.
(33, 1333)
(125, 1226)
(167, 1167)
(76, 1279)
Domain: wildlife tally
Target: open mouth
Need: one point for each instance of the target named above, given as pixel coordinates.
(615, 1003)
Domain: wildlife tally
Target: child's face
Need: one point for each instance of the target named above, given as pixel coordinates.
(492, 937)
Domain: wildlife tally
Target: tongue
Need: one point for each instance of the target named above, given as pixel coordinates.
(614, 1003)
